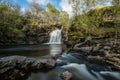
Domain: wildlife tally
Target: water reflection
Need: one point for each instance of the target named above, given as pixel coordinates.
(55, 49)
(30, 50)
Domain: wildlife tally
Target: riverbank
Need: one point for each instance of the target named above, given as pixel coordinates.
(103, 52)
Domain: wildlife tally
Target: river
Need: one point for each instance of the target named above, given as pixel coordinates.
(75, 63)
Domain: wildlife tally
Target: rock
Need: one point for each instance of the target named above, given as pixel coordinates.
(100, 52)
(66, 75)
(43, 64)
(14, 67)
(108, 60)
(83, 49)
(11, 61)
(5, 69)
(96, 60)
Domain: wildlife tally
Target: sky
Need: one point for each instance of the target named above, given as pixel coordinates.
(58, 4)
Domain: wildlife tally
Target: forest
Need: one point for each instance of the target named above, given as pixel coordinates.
(19, 28)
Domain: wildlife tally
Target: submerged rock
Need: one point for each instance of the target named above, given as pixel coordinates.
(66, 75)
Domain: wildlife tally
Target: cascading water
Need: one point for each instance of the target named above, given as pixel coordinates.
(55, 37)
(79, 67)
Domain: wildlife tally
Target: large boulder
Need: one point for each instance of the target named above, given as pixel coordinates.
(17, 67)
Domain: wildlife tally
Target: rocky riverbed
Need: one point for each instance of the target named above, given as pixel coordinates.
(101, 52)
(91, 59)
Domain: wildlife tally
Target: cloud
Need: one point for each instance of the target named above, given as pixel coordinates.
(66, 7)
(23, 10)
(29, 1)
(41, 2)
(64, 4)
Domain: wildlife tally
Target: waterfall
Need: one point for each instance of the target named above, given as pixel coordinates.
(55, 37)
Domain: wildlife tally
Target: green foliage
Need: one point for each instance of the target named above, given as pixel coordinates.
(53, 13)
(64, 19)
(52, 9)
(116, 2)
(97, 22)
(82, 25)
(11, 22)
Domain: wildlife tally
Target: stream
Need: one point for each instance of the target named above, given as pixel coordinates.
(75, 63)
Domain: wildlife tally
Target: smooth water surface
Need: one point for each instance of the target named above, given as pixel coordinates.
(30, 50)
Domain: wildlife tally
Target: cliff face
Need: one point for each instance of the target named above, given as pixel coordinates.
(30, 35)
(34, 36)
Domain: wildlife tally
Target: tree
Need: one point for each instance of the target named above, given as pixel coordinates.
(83, 6)
(64, 19)
(11, 22)
(36, 8)
(80, 25)
(76, 6)
(36, 15)
(116, 2)
(53, 13)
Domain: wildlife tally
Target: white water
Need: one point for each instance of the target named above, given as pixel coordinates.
(55, 37)
(80, 71)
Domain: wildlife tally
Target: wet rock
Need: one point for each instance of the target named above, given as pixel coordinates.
(100, 52)
(107, 60)
(14, 67)
(103, 52)
(43, 64)
(83, 49)
(11, 61)
(96, 60)
(5, 69)
(66, 75)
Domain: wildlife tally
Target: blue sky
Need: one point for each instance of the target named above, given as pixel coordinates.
(22, 3)
(25, 3)
(58, 4)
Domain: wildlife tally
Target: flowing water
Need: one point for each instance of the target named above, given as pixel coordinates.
(75, 63)
(55, 37)
(80, 69)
